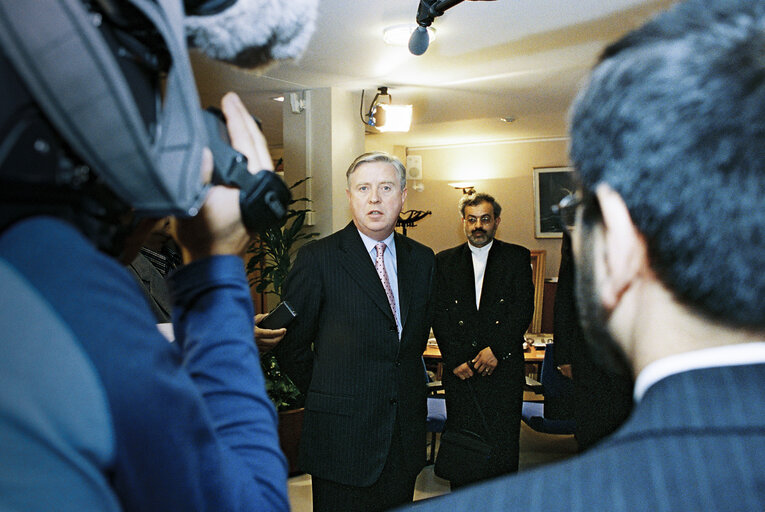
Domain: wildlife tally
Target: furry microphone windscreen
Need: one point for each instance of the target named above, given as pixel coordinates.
(252, 33)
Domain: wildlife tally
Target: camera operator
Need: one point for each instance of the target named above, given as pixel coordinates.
(97, 410)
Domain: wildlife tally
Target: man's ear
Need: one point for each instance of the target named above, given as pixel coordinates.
(625, 254)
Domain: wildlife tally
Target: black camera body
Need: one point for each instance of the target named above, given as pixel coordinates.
(264, 197)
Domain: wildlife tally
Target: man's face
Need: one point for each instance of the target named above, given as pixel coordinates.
(605, 350)
(480, 224)
(375, 197)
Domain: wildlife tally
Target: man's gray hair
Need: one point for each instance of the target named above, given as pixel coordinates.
(477, 198)
(378, 156)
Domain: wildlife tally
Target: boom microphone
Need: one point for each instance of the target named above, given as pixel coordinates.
(427, 11)
(251, 33)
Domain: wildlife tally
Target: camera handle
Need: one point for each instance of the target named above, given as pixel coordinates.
(264, 197)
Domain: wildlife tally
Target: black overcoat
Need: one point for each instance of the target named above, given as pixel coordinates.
(506, 309)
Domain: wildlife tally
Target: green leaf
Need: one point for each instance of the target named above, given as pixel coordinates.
(271, 256)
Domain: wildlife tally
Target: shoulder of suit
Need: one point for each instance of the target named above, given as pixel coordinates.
(415, 246)
(142, 267)
(514, 248)
(329, 241)
(452, 251)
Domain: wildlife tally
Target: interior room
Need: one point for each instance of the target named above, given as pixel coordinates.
(489, 100)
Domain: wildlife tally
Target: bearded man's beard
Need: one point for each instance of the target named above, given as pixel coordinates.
(603, 349)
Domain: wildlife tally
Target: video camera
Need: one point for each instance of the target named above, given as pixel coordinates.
(112, 88)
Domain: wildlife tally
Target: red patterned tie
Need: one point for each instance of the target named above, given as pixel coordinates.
(380, 266)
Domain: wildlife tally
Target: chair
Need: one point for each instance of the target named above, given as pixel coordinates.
(436, 420)
(553, 416)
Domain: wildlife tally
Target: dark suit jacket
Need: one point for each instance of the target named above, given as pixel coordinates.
(507, 305)
(602, 399)
(343, 351)
(694, 442)
(154, 287)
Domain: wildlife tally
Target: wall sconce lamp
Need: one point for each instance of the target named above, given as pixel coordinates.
(467, 188)
(386, 117)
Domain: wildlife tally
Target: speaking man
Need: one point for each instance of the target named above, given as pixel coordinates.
(355, 348)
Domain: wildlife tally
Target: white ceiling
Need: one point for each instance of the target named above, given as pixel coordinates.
(518, 58)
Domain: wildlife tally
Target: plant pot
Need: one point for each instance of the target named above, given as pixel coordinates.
(290, 427)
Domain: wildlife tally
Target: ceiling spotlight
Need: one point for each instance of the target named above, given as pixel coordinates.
(280, 99)
(386, 117)
(398, 35)
(507, 119)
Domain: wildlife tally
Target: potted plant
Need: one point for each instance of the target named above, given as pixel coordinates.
(271, 256)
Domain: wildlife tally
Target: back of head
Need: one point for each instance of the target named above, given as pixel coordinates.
(673, 119)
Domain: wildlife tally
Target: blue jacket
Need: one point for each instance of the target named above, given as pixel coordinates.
(99, 412)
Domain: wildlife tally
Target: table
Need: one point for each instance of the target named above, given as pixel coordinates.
(532, 355)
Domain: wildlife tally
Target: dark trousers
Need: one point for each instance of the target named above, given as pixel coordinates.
(395, 487)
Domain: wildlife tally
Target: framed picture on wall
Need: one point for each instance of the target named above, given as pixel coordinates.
(551, 184)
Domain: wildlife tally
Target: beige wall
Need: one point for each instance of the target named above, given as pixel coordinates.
(504, 170)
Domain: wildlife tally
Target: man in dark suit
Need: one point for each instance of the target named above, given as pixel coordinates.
(668, 139)
(158, 256)
(485, 301)
(355, 348)
(602, 399)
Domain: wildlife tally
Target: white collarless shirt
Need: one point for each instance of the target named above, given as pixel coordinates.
(480, 257)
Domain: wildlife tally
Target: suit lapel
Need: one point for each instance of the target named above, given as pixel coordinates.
(406, 274)
(358, 264)
(490, 279)
(466, 276)
(153, 281)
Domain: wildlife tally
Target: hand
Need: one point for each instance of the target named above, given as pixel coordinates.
(566, 370)
(463, 371)
(266, 339)
(485, 362)
(218, 228)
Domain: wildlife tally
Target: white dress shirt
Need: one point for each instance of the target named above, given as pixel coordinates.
(480, 257)
(724, 355)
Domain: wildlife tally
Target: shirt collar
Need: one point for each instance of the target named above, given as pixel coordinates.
(480, 251)
(370, 243)
(726, 355)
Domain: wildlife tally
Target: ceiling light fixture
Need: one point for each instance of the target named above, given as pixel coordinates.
(467, 188)
(398, 35)
(280, 99)
(386, 117)
(508, 119)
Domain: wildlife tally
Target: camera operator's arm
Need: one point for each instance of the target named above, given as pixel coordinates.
(213, 321)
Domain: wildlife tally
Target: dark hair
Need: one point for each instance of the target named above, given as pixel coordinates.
(477, 198)
(673, 119)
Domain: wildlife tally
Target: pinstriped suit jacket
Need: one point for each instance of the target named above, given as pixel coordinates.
(695, 442)
(154, 287)
(343, 351)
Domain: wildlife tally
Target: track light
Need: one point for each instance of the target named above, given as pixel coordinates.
(386, 117)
